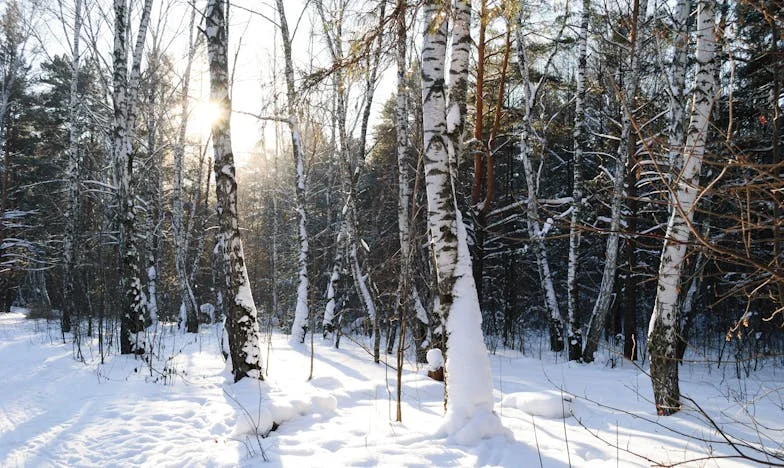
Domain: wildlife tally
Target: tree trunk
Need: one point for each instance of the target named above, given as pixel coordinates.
(242, 324)
(72, 175)
(125, 108)
(575, 336)
(468, 378)
(349, 228)
(179, 231)
(626, 145)
(532, 213)
(300, 325)
(662, 332)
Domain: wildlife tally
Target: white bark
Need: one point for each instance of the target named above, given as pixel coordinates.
(125, 91)
(72, 175)
(300, 324)
(242, 324)
(626, 145)
(678, 79)
(179, 232)
(467, 369)
(532, 212)
(349, 232)
(440, 200)
(662, 332)
(574, 335)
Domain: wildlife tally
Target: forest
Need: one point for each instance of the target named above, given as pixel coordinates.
(429, 183)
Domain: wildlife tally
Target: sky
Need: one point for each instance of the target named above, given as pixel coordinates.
(255, 51)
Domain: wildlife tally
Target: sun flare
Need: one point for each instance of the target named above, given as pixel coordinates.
(203, 115)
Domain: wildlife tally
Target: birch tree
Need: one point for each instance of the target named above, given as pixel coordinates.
(300, 324)
(126, 87)
(535, 230)
(242, 324)
(626, 147)
(574, 338)
(179, 232)
(72, 176)
(467, 369)
(348, 234)
(662, 331)
(406, 289)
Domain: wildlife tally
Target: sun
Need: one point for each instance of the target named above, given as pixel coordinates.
(202, 116)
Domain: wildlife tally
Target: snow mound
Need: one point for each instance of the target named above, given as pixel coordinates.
(435, 360)
(464, 429)
(549, 404)
(259, 406)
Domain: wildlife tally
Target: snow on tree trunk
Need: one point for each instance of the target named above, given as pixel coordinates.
(532, 211)
(625, 147)
(124, 94)
(242, 324)
(575, 338)
(468, 380)
(662, 331)
(179, 231)
(329, 309)
(300, 324)
(72, 175)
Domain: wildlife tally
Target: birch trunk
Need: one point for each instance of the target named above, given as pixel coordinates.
(532, 211)
(125, 107)
(73, 171)
(179, 232)
(467, 369)
(242, 324)
(152, 220)
(626, 146)
(300, 324)
(678, 80)
(662, 331)
(575, 337)
(349, 228)
(406, 290)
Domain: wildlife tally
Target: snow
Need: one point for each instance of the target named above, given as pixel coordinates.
(549, 404)
(435, 360)
(56, 411)
(208, 310)
(469, 414)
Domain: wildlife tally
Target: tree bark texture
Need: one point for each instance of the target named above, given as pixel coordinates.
(125, 91)
(467, 367)
(300, 323)
(72, 175)
(626, 146)
(241, 317)
(662, 331)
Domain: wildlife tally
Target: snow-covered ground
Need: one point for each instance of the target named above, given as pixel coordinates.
(56, 411)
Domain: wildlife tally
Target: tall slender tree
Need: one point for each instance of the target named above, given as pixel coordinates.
(626, 147)
(467, 369)
(662, 331)
(300, 324)
(536, 231)
(179, 232)
(242, 324)
(72, 176)
(579, 134)
(126, 88)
